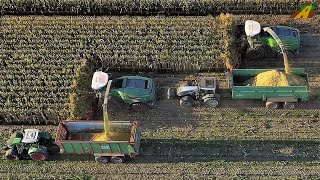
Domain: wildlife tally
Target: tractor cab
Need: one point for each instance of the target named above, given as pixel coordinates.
(203, 92)
(30, 136)
(208, 85)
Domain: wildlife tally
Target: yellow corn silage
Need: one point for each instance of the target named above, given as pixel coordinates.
(104, 136)
(276, 78)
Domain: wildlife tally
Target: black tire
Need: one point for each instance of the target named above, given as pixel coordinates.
(12, 154)
(102, 159)
(41, 155)
(290, 55)
(117, 159)
(171, 93)
(211, 102)
(186, 101)
(288, 105)
(272, 105)
(138, 107)
(255, 53)
(54, 149)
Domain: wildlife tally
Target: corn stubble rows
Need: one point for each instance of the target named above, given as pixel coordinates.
(63, 170)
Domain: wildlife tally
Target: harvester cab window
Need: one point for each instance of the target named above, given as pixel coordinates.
(117, 83)
(137, 83)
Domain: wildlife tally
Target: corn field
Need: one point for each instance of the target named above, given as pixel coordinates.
(150, 7)
(40, 55)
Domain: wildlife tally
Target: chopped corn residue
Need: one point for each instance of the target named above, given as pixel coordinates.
(276, 78)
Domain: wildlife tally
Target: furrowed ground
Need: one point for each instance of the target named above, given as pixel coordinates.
(240, 139)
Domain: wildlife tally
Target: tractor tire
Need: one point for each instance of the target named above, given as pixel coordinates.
(12, 154)
(272, 105)
(255, 53)
(54, 149)
(41, 154)
(288, 105)
(290, 55)
(138, 107)
(102, 159)
(171, 93)
(117, 159)
(211, 102)
(186, 101)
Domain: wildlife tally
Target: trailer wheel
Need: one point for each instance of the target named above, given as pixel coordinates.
(138, 107)
(117, 159)
(288, 105)
(12, 154)
(272, 105)
(211, 102)
(186, 101)
(101, 159)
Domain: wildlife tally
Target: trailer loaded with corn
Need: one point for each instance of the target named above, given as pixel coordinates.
(77, 137)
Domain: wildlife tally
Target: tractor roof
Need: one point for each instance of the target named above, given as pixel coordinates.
(135, 77)
(30, 135)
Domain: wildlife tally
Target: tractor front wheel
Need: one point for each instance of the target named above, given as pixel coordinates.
(211, 102)
(186, 101)
(12, 154)
(39, 155)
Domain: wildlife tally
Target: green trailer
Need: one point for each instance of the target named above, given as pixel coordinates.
(272, 95)
(75, 137)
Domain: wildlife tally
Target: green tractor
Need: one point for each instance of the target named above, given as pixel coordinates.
(136, 92)
(32, 144)
(261, 43)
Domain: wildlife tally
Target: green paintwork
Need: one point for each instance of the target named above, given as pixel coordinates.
(264, 92)
(130, 95)
(291, 41)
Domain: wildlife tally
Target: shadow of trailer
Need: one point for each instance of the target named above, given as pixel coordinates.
(121, 143)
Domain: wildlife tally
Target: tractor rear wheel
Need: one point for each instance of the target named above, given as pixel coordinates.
(12, 154)
(186, 101)
(102, 159)
(138, 107)
(54, 149)
(39, 155)
(255, 53)
(288, 105)
(272, 105)
(211, 102)
(117, 159)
